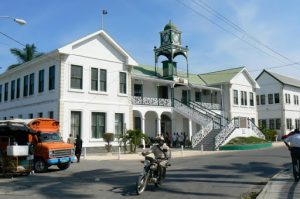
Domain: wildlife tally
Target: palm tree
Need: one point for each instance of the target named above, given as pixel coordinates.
(26, 54)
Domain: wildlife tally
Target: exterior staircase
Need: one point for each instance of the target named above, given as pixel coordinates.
(211, 124)
(208, 142)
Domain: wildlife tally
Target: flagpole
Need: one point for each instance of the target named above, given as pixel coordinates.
(102, 20)
(104, 12)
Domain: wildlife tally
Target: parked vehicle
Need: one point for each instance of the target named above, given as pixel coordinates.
(150, 174)
(49, 148)
(16, 150)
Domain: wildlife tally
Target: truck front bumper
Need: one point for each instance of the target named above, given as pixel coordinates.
(55, 161)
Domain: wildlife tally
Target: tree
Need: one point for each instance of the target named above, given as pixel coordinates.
(26, 54)
(108, 138)
(134, 137)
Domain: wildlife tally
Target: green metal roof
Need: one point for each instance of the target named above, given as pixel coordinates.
(218, 77)
(149, 71)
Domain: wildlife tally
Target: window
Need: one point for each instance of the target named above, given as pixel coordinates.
(257, 100)
(18, 88)
(20, 116)
(271, 124)
(251, 99)
(262, 123)
(51, 114)
(5, 91)
(12, 89)
(75, 123)
(103, 80)
(25, 86)
(94, 79)
(98, 124)
(31, 84)
(262, 100)
(0, 93)
(123, 83)
(244, 98)
(52, 77)
(287, 98)
(296, 100)
(276, 96)
(41, 81)
(76, 77)
(40, 114)
(198, 96)
(235, 97)
(30, 115)
(289, 123)
(119, 121)
(297, 123)
(278, 124)
(270, 98)
(138, 90)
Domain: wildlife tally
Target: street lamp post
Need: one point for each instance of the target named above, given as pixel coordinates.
(19, 21)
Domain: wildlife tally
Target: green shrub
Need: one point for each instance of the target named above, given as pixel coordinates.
(269, 134)
(246, 140)
(108, 138)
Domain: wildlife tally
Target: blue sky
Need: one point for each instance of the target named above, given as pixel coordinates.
(271, 37)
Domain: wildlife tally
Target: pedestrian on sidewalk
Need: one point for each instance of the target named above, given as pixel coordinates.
(78, 147)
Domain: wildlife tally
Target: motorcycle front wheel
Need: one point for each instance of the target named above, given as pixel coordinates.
(141, 183)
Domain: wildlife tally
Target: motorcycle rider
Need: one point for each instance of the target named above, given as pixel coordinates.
(294, 147)
(161, 153)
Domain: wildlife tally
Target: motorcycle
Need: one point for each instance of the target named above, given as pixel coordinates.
(150, 174)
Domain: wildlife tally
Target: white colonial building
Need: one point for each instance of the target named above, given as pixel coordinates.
(93, 86)
(278, 102)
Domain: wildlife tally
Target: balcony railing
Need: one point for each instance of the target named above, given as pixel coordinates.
(210, 106)
(151, 101)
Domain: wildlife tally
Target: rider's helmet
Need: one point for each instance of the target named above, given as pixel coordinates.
(160, 140)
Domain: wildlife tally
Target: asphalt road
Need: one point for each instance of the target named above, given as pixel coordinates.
(220, 175)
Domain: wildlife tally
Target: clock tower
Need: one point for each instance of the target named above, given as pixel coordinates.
(170, 47)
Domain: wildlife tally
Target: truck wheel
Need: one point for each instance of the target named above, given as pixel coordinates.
(63, 166)
(40, 166)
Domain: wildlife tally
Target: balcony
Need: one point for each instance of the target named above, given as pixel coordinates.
(151, 101)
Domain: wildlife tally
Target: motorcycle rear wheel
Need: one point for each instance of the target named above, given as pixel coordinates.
(141, 183)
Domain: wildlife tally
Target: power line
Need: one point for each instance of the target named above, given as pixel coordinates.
(228, 31)
(238, 28)
(12, 39)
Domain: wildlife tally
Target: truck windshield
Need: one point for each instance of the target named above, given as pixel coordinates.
(49, 137)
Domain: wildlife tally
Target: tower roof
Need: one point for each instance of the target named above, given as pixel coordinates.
(170, 26)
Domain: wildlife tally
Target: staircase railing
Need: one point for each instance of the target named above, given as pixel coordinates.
(191, 113)
(200, 135)
(225, 133)
(255, 129)
(219, 119)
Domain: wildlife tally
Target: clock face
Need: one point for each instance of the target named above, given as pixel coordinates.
(165, 38)
(175, 39)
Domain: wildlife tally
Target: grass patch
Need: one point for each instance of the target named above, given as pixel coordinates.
(246, 140)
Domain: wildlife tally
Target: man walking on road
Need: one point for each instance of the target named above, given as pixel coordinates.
(294, 147)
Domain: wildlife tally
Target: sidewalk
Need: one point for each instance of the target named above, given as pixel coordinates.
(281, 186)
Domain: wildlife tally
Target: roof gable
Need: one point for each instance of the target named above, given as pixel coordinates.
(227, 76)
(281, 78)
(98, 45)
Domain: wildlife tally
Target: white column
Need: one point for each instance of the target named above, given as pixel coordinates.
(158, 126)
(143, 125)
(190, 129)
(143, 130)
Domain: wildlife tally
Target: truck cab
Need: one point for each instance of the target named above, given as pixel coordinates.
(49, 148)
